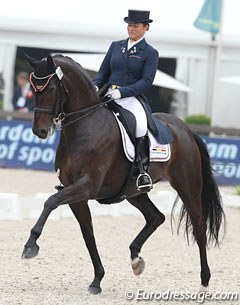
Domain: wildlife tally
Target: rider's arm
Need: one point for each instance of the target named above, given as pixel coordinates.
(104, 71)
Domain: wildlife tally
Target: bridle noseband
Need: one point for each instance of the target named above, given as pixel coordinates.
(60, 117)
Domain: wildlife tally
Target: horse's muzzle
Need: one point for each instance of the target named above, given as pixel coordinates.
(42, 133)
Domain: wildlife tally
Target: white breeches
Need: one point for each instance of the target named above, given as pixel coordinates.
(133, 105)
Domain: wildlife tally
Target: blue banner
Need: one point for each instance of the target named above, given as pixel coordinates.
(225, 157)
(20, 148)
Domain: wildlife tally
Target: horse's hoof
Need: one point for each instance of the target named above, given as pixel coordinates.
(138, 265)
(94, 290)
(203, 288)
(30, 252)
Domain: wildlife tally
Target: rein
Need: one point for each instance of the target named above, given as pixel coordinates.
(86, 112)
(58, 120)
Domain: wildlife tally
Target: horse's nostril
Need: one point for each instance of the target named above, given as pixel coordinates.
(43, 131)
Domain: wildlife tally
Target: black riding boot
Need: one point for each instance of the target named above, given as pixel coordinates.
(144, 181)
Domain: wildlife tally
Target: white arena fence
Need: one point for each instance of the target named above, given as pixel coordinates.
(15, 207)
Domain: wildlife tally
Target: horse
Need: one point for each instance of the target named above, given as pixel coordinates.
(91, 165)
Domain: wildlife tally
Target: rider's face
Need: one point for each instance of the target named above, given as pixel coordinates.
(137, 30)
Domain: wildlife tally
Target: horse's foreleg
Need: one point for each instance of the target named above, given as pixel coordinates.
(154, 218)
(70, 194)
(31, 248)
(82, 213)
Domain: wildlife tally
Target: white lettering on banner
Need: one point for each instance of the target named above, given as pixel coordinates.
(20, 147)
(8, 151)
(20, 133)
(14, 133)
(222, 151)
(48, 155)
(12, 148)
(3, 151)
(31, 155)
(3, 132)
(23, 153)
(228, 170)
(28, 136)
(34, 155)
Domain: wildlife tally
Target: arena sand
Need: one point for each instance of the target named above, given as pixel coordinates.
(63, 270)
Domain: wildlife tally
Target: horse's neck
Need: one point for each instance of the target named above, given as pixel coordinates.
(83, 128)
(81, 94)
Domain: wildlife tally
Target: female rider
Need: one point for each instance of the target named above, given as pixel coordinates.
(129, 68)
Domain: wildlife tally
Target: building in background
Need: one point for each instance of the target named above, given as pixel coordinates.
(184, 52)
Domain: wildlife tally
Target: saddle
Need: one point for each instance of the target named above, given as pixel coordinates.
(129, 123)
(125, 117)
(161, 132)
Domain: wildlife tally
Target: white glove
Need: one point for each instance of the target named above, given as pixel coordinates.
(96, 88)
(115, 94)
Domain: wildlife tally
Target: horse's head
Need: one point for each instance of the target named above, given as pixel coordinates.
(45, 82)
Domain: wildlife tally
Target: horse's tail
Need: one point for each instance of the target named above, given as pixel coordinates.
(211, 199)
(212, 209)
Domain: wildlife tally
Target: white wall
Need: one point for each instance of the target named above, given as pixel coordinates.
(192, 69)
(7, 61)
(195, 73)
(198, 81)
(227, 107)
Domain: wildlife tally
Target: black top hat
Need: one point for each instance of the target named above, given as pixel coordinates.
(137, 16)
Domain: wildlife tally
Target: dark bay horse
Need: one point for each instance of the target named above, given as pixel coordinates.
(91, 164)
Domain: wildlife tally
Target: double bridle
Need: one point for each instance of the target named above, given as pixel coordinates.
(58, 118)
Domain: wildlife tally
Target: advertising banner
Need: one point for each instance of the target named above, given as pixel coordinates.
(225, 157)
(20, 148)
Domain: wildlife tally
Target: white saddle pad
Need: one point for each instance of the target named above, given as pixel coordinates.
(158, 152)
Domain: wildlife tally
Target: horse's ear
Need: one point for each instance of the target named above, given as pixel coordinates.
(32, 61)
(50, 62)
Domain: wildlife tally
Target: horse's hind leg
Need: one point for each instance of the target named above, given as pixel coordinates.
(82, 213)
(189, 190)
(154, 218)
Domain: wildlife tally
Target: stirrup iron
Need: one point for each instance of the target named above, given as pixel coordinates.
(146, 187)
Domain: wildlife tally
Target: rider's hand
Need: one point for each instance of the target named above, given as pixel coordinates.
(115, 94)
